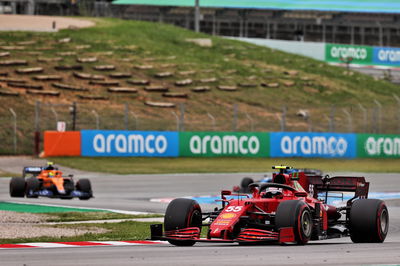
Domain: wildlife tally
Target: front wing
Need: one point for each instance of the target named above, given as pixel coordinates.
(248, 235)
(50, 194)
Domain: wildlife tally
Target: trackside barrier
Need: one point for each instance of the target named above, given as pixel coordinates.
(324, 145)
(378, 146)
(218, 144)
(335, 53)
(362, 55)
(62, 143)
(129, 143)
(228, 144)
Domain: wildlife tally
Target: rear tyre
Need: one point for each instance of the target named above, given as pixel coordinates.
(182, 213)
(369, 221)
(244, 185)
(17, 187)
(32, 185)
(84, 185)
(295, 214)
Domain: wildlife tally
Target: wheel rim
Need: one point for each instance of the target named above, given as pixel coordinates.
(306, 224)
(384, 220)
(195, 219)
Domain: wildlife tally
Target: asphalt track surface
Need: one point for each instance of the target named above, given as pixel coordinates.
(132, 193)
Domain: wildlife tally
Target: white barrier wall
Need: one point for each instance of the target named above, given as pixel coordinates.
(310, 49)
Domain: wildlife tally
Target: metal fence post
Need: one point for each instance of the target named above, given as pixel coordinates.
(96, 115)
(15, 128)
(235, 116)
(177, 120)
(329, 121)
(74, 114)
(197, 15)
(37, 116)
(182, 117)
(283, 118)
(365, 117)
(398, 112)
(37, 129)
(251, 122)
(378, 116)
(349, 120)
(332, 118)
(212, 120)
(55, 114)
(310, 125)
(136, 119)
(126, 118)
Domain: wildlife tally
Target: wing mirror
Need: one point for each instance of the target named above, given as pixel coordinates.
(326, 180)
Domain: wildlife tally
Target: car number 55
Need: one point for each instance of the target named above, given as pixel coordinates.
(234, 209)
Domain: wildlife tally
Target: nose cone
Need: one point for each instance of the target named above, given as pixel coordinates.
(59, 183)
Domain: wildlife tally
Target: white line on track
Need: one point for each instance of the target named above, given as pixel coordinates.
(81, 244)
(81, 208)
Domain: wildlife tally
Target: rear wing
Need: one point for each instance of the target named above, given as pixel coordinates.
(34, 170)
(358, 185)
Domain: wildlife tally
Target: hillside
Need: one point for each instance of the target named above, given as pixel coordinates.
(148, 58)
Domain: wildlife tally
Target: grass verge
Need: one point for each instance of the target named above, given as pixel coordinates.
(115, 231)
(7, 174)
(89, 216)
(221, 165)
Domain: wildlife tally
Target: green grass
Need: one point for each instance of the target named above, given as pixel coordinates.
(7, 174)
(221, 165)
(89, 216)
(115, 231)
(317, 86)
(34, 208)
(127, 230)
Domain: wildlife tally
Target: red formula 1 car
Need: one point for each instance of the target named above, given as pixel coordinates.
(289, 210)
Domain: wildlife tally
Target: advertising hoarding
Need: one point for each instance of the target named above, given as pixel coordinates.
(303, 144)
(338, 53)
(129, 143)
(229, 144)
(378, 146)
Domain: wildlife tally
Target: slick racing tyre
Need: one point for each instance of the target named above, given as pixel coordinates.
(244, 185)
(84, 185)
(182, 213)
(369, 221)
(295, 214)
(17, 187)
(32, 185)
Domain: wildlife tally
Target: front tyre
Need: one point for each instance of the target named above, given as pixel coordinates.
(369, 221)
(244, 185)
(85, 186)
(295, 214)
(180, 214)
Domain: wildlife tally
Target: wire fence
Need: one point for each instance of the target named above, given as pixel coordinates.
(20, 128)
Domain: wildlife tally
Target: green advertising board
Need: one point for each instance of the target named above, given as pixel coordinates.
(339, 53)
(215, 144)
(378, 146)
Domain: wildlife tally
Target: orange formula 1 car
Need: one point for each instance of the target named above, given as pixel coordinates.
(49, 182)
